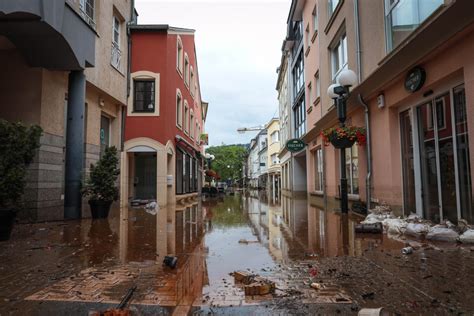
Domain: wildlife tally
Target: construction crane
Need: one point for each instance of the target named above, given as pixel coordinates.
(250, 129)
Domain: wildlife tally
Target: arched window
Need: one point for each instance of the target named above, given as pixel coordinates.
(186, 117)
(179, 109)
(186, 69)
(179, 55)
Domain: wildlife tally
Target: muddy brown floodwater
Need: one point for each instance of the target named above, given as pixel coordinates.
(73, 267)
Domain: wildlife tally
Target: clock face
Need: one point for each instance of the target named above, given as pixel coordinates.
(415, 79)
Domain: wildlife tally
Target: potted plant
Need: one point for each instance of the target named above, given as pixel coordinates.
(18, 144)
(344, 137)
(100, 186)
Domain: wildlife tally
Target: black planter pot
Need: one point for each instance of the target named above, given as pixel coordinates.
(7, 218)
(341, 142)
(99, 208)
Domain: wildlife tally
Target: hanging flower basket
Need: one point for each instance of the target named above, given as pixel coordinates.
(344, 137)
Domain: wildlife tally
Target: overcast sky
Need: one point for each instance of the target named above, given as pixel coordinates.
(238, 46)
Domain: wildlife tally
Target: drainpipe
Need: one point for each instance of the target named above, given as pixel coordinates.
(129, 63)
(357, 37)
(368, 179)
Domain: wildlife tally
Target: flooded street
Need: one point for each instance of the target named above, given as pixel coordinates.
(74, 267)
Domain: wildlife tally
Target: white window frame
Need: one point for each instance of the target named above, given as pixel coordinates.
(186, 70)
(186, 117)
(350, 176)
(332, 6)
(314, 17)
(179, 55)
(339, 54)
(191, 124)
(179, 109)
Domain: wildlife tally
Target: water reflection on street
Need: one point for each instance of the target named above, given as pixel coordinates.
(210, 238)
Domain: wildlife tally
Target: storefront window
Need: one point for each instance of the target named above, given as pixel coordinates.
(179, 172)
(352, 169)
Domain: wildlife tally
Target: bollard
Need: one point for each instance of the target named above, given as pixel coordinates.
(373, 312)
(407, 250)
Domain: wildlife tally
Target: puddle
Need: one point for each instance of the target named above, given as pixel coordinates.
(99, 260)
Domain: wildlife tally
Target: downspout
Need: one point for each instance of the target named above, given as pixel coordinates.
(368, 179)
(357, 37)
(129, 62)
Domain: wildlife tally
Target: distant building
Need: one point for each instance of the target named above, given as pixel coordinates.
(64, 67)
(273, 161)
(163, 152)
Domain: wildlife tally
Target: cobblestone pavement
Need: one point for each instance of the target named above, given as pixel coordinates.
(73, 267)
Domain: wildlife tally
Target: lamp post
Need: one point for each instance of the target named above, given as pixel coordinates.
(340, 93)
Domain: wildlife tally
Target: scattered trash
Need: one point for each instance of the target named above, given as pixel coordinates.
(245, 241)
(373, 228)
(407, 250)
(467, 237)
(315, 285)
(152, 208)
(368, 296)
(373, 312)
(313, 272)
(254, 284)
(170, 261)
(442, 233)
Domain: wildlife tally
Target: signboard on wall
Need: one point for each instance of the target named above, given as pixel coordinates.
(295, 145)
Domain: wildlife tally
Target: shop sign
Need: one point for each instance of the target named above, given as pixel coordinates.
(415, 79)
(295, 145)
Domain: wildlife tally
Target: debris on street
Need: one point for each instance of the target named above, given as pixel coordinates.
(254, 284)
(245, 241)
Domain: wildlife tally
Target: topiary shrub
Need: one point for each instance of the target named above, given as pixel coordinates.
(18, 145)
(101, 184)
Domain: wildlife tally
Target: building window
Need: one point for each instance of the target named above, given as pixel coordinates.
(298, 76)
(179, 109)
(116, 52)
(317, 86)
(299, 113)
(179, 172)
(186, 117)
(275, 136)
(352, 169)
(297, 35)
(87, 11)
(186, 69)
(318, 170)
(315, 19)
(191, 125)
(339, 56)
(332, 5)
(191, 81)
(310, 94)
(179, 55)
(196, 137)
(144, 96)
(403, 16)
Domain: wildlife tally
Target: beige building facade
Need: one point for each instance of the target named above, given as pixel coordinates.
(68, 74)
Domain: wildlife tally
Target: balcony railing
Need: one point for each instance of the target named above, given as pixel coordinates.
(116, 57)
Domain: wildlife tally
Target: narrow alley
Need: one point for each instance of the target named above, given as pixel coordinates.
(76, 267)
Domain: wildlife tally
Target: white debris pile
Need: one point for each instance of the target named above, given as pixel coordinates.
(446, 231)
(466, 232)
(395, 226)
(378, 214)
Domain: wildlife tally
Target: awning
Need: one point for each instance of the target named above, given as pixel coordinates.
(184, 145)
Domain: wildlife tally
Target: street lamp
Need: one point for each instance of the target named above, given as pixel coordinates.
(209, 159)
(340, 93)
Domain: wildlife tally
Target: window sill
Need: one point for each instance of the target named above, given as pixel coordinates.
(143, 112)
(310, 109)
(315, 34)
(179, 71)
(316, 102)
(333, 17)
(317, 193)
(306, 53)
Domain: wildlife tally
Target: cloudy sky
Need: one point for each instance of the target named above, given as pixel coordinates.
(238, 48)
